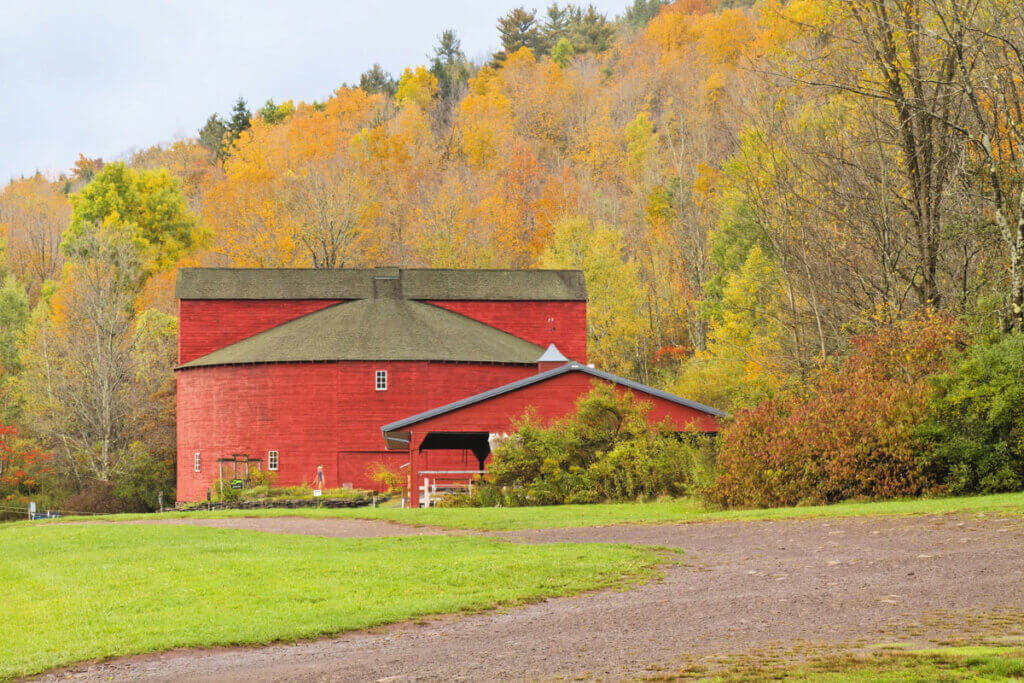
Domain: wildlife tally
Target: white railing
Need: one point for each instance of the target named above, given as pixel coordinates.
(445, 482)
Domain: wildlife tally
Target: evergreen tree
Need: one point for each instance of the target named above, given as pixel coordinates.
(590, 31)
(640, 13)
(376, 80)
(276, 113)
(449, 65)
(212, 135)
(518, 29)
(241, 119)
(556, 26)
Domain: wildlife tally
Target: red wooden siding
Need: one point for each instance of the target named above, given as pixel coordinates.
(539, 322)
(313, 414)
(208, 325)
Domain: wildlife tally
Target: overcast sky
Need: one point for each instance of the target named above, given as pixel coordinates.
(104, 77)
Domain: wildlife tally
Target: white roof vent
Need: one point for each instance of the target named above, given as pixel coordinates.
(552, 355)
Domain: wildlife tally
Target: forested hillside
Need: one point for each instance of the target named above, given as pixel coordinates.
(796, 211)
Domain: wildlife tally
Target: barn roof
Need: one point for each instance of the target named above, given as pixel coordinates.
(350, 283)
(377, 329)
(541, 377)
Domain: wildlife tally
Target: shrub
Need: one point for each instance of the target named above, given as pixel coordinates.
(605, 451)
(144, 477)
(385, 477)
(100, 496)
(976, 424)
(24, 471)
(851, 432)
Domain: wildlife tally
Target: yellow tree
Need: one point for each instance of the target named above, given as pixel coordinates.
(615, 322)
(293, 193)
(33, 214)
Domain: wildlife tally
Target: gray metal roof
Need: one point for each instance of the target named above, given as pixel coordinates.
(416, 283)
(384, 329)
(540, 377)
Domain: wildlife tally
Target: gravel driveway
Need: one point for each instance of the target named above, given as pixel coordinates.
(743, 586)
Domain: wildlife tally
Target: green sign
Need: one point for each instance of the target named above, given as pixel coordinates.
(237, 483)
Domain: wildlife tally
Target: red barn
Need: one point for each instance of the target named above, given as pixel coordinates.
(343, 369)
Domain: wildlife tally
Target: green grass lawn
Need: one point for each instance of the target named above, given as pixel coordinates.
(77, 592)
(679, 510)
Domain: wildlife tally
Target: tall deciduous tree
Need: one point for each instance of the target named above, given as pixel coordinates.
(146, 206)
(986, 42)
(33, 214)
(14, 312)
(614, 312)
(885, 50)
(78, 366)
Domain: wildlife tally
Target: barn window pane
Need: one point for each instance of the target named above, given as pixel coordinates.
(197, 461)
(381, 380)
(272, 460)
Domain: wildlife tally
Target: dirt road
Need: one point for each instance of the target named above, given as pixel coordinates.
(744, 586)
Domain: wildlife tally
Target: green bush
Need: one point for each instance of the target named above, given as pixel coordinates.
(144, 477)
(605, 451)
(975, 430)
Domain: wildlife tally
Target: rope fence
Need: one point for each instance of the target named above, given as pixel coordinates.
(25, 510)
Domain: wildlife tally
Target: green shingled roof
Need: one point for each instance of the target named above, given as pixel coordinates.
(377, 329)
(416, 283)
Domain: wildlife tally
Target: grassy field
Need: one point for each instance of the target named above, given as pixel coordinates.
(1001, 663)
(679, 510)
(73, 593)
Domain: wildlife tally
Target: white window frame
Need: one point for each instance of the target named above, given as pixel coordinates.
(197, 466)
(272, 461)
(380, 380)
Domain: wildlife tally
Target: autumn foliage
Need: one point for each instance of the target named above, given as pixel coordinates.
(850, 432)
(23, 469)
(741, 184)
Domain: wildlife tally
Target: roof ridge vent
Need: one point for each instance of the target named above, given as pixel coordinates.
(552, 355)
(387, 283)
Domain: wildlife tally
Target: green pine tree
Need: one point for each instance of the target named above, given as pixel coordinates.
(213, 135)
(518, 29)
(376, 80)
(640, 13)
(556, 26)
(241, 119)
(449, 65)
(590, 30)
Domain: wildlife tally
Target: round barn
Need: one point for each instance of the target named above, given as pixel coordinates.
(346, 370)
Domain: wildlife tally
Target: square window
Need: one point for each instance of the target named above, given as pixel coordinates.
(381, 380)
(272, 461)
(197, 461)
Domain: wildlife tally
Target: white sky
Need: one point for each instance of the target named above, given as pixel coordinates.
(104, 77)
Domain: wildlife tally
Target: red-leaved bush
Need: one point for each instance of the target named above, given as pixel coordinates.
(848, 433)
(21, 468)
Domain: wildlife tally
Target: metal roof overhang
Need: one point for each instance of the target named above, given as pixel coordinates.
(405, 423)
